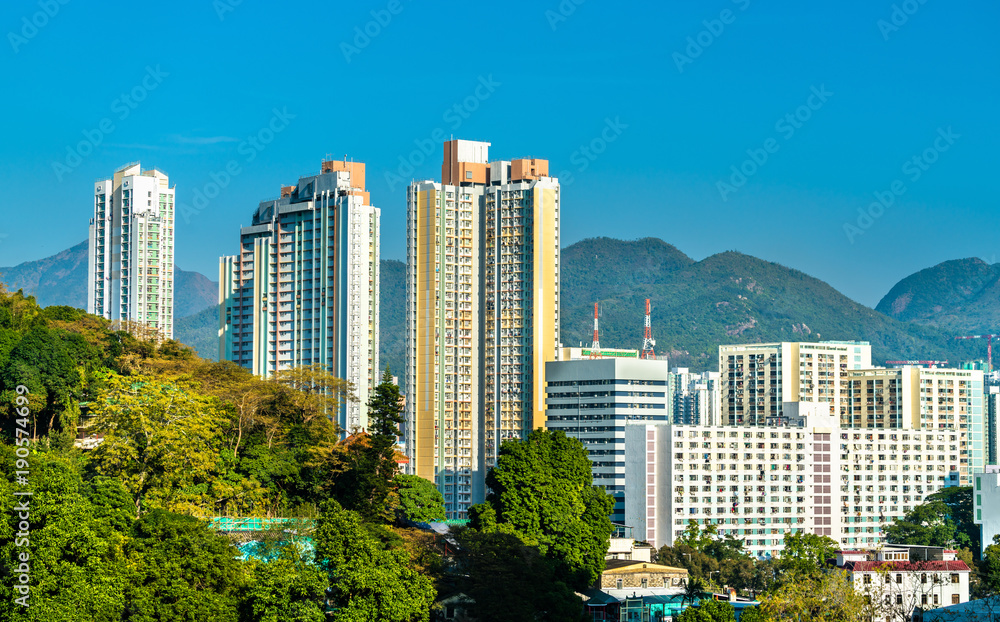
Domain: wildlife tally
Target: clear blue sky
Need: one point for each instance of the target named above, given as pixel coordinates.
(553, 84)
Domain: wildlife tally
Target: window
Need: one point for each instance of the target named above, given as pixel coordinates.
(618, 584)
(899, 599)
(899, 578)
(645, 583)
(867, 579)
(468, 174)
(923, 599)
(954, 599)
(954, 578)
(935, 599)
(923, 578)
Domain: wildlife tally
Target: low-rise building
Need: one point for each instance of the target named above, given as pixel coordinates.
(628, 549)
(623, 574)
(900, 579)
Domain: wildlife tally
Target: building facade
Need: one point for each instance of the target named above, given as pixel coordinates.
(803, 472)
(694, 397)
(482, 297)
(304, 288)
(130, 269)
(986, 504)
(756, 379)
(898, 580)
(592, 400)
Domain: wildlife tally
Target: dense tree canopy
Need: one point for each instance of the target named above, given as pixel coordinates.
(541, 490)
(943, 519)
(418, 500)
(368, 581)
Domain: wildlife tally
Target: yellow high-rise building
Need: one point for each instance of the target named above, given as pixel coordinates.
(482, 314)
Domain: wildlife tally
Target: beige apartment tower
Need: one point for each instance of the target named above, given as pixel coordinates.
(756, 379)
(482, 294)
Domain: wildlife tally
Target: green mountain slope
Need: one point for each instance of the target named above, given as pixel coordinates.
(696, 306)
(61, 279)
(200, 331)
(57, 280)
(726, 298)
(962, 295)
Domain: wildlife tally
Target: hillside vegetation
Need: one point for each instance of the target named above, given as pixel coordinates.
(962, 295)
(725, 298)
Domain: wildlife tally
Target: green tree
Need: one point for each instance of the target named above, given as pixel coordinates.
(183, 571)
(700, 565)
(365, 466)
(693, 590)
(511, 580)
(990, 569)
(696, 537)
(709, 610)
(928, 524)
(418, 500)
(78, 568)
(160, 438)
(808, 549)
(754, 614)
(541, 489)
(284, 589)
(827, 597)
(960, 505)
(367, 581)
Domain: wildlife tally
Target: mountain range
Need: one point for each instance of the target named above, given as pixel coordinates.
(62, 280)
(728, 297)
(962, 295)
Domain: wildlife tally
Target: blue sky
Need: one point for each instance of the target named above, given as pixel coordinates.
(652, 110)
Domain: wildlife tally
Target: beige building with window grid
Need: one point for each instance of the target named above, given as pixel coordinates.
(756, 379)
(482, 295)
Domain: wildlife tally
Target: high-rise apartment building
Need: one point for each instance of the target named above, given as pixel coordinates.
(304, 288)
(482, 296)
(130, 268)
(756, 379)
(693, 397)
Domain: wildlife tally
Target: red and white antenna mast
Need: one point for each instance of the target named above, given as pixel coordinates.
(647, 340)
(595, 348)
